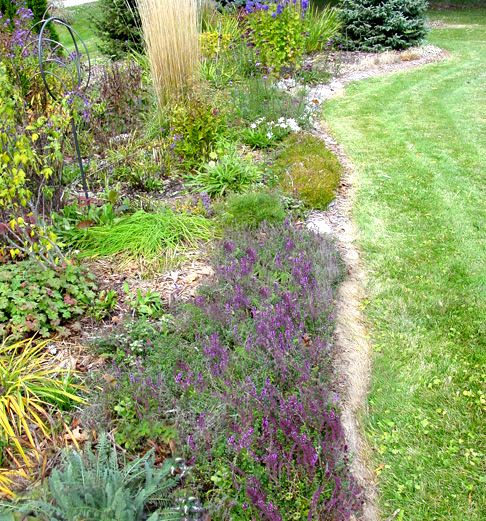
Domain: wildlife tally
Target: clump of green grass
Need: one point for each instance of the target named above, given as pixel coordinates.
(310, 171)
(252, 208)
(148, 235)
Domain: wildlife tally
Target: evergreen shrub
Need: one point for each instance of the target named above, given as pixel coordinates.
(379, 25)
(118, 26)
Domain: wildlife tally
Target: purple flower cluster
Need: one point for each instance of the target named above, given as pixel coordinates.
(255, 379)
(14, 34)
(255, 5)
(280, 419)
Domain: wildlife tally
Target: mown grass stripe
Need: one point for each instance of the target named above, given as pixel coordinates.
(417, 139)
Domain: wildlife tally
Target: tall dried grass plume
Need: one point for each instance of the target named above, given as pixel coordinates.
(171, 34)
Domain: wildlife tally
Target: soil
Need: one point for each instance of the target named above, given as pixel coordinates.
(353, 359)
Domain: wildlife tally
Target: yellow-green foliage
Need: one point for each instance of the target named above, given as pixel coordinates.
(310, 171)
(30, 385)
(22, 171)
(212, 43)
(220, 33)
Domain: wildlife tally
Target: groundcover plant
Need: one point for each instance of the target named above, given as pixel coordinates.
(244, 375)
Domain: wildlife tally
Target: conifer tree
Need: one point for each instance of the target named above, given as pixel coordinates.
(119, 27)
(378, 25)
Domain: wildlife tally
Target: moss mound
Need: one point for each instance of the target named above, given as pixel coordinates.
(310, 171)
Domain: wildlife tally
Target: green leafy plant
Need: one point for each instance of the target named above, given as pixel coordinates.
(27, 178)
(37, 300)
(199, 124)
(369, 25)
(277, 31)
(310, 171)
(103, 304)
(148, 235)
(148, 304)
(257, 97)
(313, 74)
(30, 386)
(99, 488)
(143, 164)
(137, 333)
(70, 223)
(252, 208)
(321, 25)
(134, 434)
(230, 173)
(264, 134)
(218, 72)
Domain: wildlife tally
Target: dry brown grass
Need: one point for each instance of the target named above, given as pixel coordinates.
(170, 29)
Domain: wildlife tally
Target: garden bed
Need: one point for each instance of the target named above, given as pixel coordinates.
(203, 349)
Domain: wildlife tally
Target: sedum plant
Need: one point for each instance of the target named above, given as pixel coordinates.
(97, 487)
(310, 171)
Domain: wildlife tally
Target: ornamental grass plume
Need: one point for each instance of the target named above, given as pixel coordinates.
(170, 30)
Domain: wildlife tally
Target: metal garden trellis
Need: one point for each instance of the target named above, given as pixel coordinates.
(76, 77)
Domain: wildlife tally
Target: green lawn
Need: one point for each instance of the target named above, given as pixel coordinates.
(418, 140)
(81, 23)
(459, 16)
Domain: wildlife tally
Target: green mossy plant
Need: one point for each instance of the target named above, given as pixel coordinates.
(311, 172)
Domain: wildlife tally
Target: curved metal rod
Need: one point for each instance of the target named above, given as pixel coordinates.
(50, 73)
(77, 81)
(77, 62)
(62, 65)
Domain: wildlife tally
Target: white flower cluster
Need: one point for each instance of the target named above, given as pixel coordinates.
(282, 123)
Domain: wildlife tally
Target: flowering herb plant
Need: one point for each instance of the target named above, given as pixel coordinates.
(264, 134)
(244, 375)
